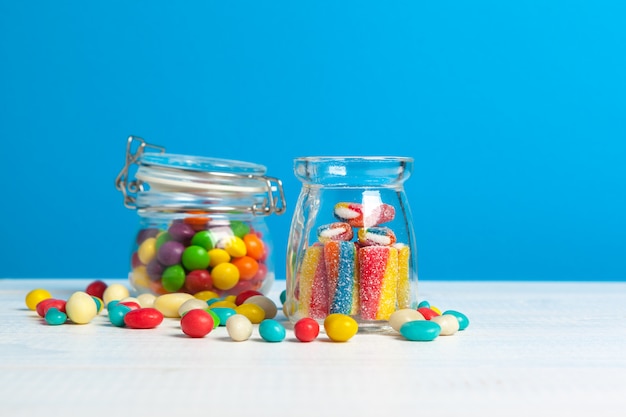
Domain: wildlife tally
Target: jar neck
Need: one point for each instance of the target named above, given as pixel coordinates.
(363, 172)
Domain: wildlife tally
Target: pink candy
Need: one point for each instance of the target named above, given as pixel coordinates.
(360, 215)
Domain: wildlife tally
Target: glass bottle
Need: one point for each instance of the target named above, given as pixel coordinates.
(351, 247)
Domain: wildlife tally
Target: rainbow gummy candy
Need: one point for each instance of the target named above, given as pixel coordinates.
(313, 288)
(378, 281)
(342, 273)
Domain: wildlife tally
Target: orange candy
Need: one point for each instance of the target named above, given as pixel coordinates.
(254, 246)
(247, 266)
(198, 220)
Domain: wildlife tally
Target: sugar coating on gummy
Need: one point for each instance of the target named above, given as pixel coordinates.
(404, 283)
(342, 273)
(364, 215)
(378, 281)
(338, 231)
(381, 236)
(313, 288)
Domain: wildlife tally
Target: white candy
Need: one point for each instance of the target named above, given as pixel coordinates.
(114, 292)
(239, 327)
(146, 300)
(168, 304)
(449, 324)
(191, 304)
(399, 317)
(81, 308)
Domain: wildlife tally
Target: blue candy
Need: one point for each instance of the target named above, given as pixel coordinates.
(272, 331)
(420, 330)
(462, 318)
(223, 313)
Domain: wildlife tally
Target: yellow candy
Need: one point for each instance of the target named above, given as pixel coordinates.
(147, 250)
(235, 246)
(36, 296)
(230, 298)
(223, 303)
(225, 276)
(206, 295)
(218, 256)
(265, 303)
(139, 277)
(340, 328)
(435, 309)
(146, 300)
(253, 312)
(81, 308)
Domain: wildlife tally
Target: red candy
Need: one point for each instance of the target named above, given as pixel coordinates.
(96, 289)
(427, 312)
(198, 280)
(306, 329)
(197, 323)
(44, 305)
(143, 318)
(130, 304)
(244, 295)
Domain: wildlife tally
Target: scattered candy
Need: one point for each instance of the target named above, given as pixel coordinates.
(197, 323)
(224, 313)
(146, 300)
(244, 295)
(35, 296)
(268, 306)
(55, 317)
(143, 318)
(448, 323)
(191, 304)
(272, 331)
(427, 312)
(252, 311)
(420, 330)
(96, 289)
(44, 305)
(306, 329)
(340, 327)
(81, 308)
(399, 317)
(462, 318)
(114, 292)
(116, 313)
(168, 304)
(239, 327)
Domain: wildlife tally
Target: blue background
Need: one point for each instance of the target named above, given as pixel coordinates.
(515, 113)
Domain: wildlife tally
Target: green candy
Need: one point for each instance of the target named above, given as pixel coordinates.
(173, 278)
(195, 257)
(205, 239)
(162, 238)
(239, 228)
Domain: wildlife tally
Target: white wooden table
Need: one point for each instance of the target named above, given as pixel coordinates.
(532, 348)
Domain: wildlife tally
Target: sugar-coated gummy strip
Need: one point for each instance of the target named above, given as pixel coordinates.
(404, 286)
(342, 272)
(359, 215)
(378, 281)
(382, 236)
(335, 231)
(313, 287)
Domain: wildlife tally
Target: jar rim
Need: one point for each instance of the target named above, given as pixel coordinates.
(201, 163)
(354, 158)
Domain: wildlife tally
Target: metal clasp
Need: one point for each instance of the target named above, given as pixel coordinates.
(135, 147)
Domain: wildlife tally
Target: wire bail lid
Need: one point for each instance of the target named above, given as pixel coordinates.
(150, 177)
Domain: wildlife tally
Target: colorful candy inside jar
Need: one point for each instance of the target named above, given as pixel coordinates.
(202, 224)
(352, 248)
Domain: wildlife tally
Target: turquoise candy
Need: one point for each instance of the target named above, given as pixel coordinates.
(272, 331)
(462, 318)
(424, 304)
(283, 296)
(223, 313)
(420, 330)
(117, 313)
(54, 316)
